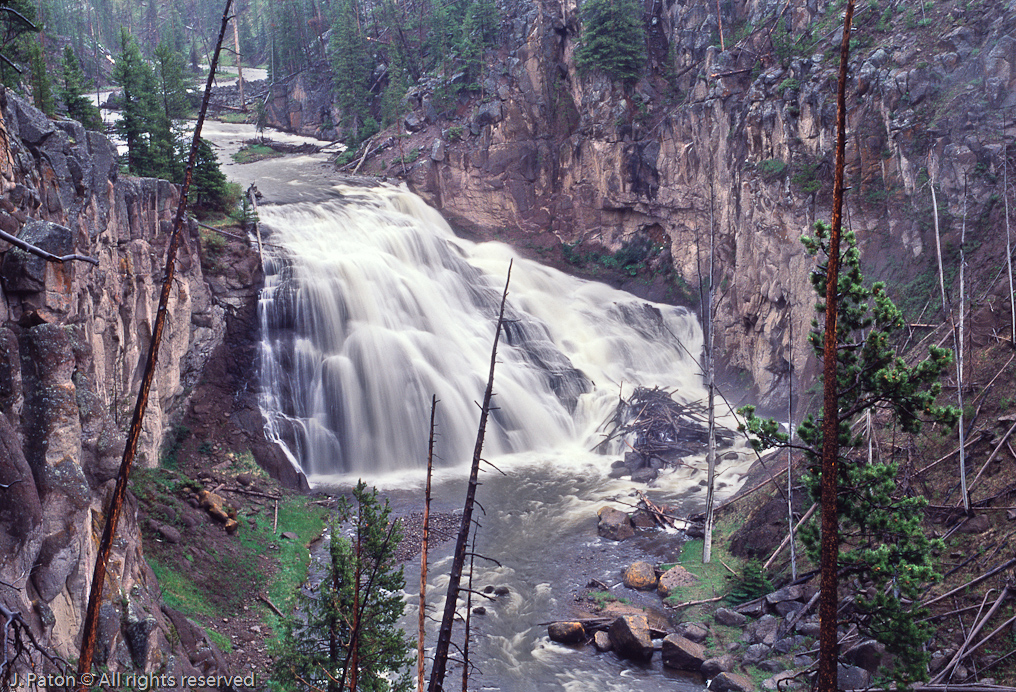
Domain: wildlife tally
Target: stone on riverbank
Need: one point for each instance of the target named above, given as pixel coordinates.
(731, 682)
(567, 632)
(673, 578)
(614, 524)
(640, 576)
(683, 654)
(630, 637)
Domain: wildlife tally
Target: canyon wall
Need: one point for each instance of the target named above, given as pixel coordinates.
(738, 138)
(73, 337)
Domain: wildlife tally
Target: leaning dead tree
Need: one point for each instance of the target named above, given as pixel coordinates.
(424, 546)
(444, 637)
(130, 449)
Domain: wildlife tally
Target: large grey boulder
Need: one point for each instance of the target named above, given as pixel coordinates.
(630, 638)
(729, 618)
(614, 524)
(683, 654)
(712, 667)
(731, 682)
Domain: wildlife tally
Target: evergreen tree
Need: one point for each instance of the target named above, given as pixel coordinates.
(208, 183)
(172, 86)
(72, 93)
(479, 30)
(136, 83)
(883, 547)
(613, 38)
(350, 625)
(42, 88)
(351, 65)
(16, 37)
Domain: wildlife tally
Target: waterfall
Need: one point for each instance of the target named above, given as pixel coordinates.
(371, 305)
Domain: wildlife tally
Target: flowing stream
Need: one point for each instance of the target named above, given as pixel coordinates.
(371, 306)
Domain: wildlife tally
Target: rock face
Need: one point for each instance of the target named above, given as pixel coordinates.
(72, 335)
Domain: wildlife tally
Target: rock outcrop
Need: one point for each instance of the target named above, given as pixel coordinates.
(73, 336)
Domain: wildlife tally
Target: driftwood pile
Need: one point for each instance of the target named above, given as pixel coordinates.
(656, 426)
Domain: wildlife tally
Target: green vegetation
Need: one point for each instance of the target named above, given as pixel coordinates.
(72, 93)
(771, 169)
(42, 87)
(613, 39)
(250, 153)
(883, 545)
(630, 259)
(349, 628)
(602, 598)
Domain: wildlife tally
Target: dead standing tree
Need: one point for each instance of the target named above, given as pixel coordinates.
(444, 637)
(130, 449)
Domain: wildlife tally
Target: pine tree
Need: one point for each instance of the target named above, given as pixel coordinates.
(479, 30)
(351, 65)
(209, 182)
(883, 546)
(72, 93)
(613, 38)
(136, 83)
(42, 88)
(348, 630)
(172, 86)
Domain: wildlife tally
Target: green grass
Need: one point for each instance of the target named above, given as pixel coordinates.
(179, 591)
(255, 152)
(221, 641)
(238, 118)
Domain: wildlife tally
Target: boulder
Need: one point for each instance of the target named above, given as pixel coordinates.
(693, 631)
(762, 631)
(727, 617)
(646, 474)
(852, 677)
(783, 681)
(787, 593)
(567, 632)
(711, 667)
(629, 636)
(683, 654)
(640, 576)
(866, 654)
(601, 640)
(674, 577)
(614, 524)
(754, 654)
(788, 608)
(731, 682)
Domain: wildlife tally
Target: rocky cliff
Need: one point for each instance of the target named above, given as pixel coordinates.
(72, 340)
(738, 132)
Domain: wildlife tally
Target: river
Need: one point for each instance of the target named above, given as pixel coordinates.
(372, 305)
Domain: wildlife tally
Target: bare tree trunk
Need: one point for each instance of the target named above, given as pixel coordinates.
(719, 18)
(959, 354)
(1008, 235)
(707, 541)
(790, 429)
(423, 550)
(444, 638)
(130, 449)
(830, 546)
(469, 614)
(239, 67)
(947, 309)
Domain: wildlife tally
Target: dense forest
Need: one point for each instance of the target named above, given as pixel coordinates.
(406, 41)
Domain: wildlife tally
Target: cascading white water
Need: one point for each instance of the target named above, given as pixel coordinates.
(372, 305)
